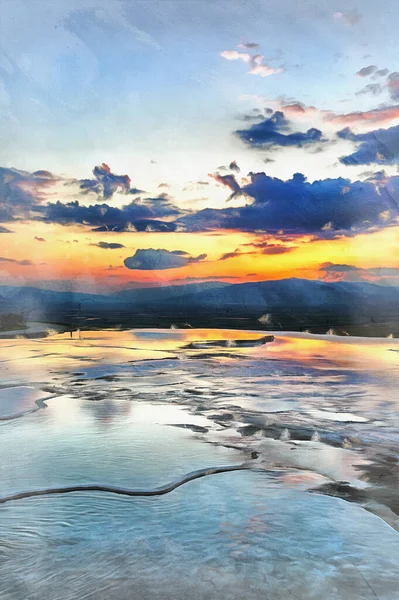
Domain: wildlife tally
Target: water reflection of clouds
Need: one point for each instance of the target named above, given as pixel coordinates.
(110, 426)
(106, 411)
(293, 375)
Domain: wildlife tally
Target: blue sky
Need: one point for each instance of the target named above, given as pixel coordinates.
(135, 82)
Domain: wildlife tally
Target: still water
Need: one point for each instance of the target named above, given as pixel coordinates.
(314, 514)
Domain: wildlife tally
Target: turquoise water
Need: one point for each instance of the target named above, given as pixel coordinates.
(136, 409)
(232, 535)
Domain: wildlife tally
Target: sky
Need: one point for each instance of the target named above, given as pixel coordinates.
(164, 142)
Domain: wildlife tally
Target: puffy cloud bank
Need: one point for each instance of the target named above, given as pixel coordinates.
(321, 208)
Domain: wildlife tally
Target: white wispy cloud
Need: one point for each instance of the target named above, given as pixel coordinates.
(254, 62)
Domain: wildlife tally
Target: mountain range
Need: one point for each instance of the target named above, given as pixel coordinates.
(292, 304)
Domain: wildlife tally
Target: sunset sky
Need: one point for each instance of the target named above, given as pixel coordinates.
(148, 142)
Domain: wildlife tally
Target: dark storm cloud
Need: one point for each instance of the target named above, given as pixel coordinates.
(108, 245)
(158, 260)
(380, 146)
(105, 183)
(323, 207)
(270, 132)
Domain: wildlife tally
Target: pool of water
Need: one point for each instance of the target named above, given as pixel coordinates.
(314, 419)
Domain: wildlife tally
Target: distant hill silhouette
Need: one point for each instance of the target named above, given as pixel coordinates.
(292, 304)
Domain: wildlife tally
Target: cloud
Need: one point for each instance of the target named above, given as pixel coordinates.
(5, 230)
(393, 86)
(260, 248)
(276, 249)
(366, 71)
(21, 191)
(325, 208)
(108, 245)
(381, 73)
(343, 272)
(234, 167)
(236, 252)
(105, 183)
(264, 248)
(143, 225)
(23, 263)
(294, 108)
(258, 68)
(330, 267)
(289, 106)
(161, 205)
(384, 114)
(157, 260)
(234, 55)
(255, 62)
(227, 180)
(249, 45)
(269, 133)
(380, 146)
(144, 215)
(348, 17)
(39, 239)
(298, 110)
(372, 88)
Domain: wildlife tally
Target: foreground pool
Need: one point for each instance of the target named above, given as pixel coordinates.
(314, 420)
